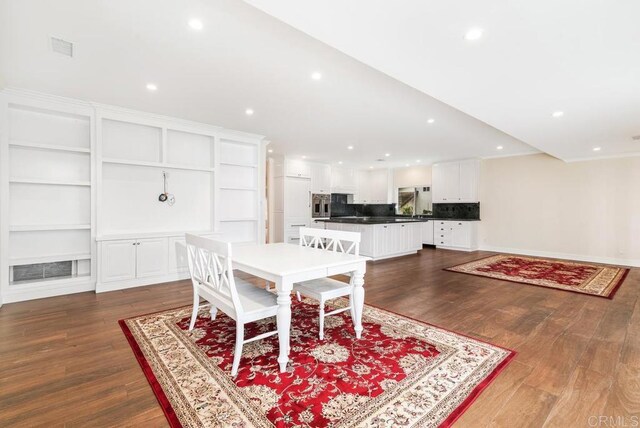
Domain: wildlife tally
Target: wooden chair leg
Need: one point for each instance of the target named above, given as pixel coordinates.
(321, 320)
(352, 311)
(194, 312)
(237, 352)
(213, 312)
(299, 297)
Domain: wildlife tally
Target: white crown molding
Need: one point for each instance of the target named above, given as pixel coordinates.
(537, 152)
(595, 158)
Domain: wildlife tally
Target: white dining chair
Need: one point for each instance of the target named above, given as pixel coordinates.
(212, 277)
(324, 289)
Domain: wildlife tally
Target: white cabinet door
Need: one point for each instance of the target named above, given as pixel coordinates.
(151, 257)
(427, 232)
(461, 234)
(320, 178)
(343, 180)
(469, 174)
(297, 193)
(452, 182)
(177, 255)
(297, 168)
(118, 260)
(378, 186)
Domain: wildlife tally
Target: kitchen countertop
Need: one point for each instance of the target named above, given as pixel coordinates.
(384, 220)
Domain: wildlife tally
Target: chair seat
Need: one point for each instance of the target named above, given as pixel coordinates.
(325, 288)
(253, 298)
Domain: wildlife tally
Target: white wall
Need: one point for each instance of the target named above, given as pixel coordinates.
(542, 206)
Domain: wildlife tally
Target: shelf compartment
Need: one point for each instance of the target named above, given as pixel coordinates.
(53, 147)
(49, 182)
(47, 227)
(155, 165)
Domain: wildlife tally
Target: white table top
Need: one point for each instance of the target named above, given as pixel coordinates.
(286, 259)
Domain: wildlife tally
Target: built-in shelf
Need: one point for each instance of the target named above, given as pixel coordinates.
(49, 182)
(238, 219)
(159, 234)
(47, 227)
(55, 147)
(48, 258)
(237, 188)
(156, 165)
(246, 165)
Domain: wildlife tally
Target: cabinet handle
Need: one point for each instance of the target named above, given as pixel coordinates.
(298, 225)
(403, 225)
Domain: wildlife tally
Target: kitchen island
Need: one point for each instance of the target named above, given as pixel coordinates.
(382, 237)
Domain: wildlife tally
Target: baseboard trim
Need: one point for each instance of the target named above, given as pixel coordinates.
(564, 256)
(14, 296)
(103, 287)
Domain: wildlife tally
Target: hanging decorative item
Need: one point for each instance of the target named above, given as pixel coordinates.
(165, 196)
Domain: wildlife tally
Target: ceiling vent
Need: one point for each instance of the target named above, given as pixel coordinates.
(62, 47)
(379, 160)
(636, 138)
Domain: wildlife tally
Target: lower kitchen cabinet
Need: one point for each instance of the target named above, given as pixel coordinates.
(456, 234)
(427, 232)
(381, 241)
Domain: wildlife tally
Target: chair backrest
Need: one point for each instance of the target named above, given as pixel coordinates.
(212, 274)
(331, 240)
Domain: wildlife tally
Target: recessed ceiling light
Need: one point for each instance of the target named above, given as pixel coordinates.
(387, 154)
(558, 114)
(370, 167)
(304, 157)
(316, 75)
(152, 87)
(249, 112)
(196, 24)
(596, 149)
(417, 160)
(339, 162)
(430, 121)
(499, 147)
(270, 150)
(473, 34)
(350, 147)
(407, 165)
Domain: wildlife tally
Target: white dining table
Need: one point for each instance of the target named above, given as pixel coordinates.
(286, 264)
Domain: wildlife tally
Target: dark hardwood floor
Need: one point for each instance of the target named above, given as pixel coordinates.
(65, 362)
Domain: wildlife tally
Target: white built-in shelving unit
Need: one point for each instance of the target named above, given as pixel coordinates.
(47, 180)
(79, 183)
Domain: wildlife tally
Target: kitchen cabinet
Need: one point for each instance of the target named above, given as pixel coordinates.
(456, 181)
(372, 187)
(456, 235)
(297, 168)
(427, 232)
(320, 178)
(297, 198)
(151, 257)
(343, 180)
(380, 241)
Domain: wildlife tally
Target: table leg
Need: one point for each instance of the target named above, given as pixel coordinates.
(358, 301)
(283, 318)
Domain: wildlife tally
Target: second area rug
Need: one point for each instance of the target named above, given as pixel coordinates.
(401, 373)
(595, 280)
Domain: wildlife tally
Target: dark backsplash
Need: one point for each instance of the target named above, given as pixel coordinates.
(461, 211)
(339, 208)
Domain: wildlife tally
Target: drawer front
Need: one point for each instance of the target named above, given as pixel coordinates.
(292, 236)
(296, 223)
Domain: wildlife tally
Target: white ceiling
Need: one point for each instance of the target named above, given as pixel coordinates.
(243, 58)
(581, 57)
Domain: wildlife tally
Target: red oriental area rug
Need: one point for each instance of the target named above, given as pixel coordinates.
(595, 280)
(401, 373)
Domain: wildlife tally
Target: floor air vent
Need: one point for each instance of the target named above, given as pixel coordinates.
(41, 271)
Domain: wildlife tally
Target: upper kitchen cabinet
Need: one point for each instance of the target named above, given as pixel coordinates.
(372, 187)
(320, 178)
(297, 168)
(456, 181)
(343, 180)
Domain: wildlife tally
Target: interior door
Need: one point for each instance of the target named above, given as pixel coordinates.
(151, 257)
